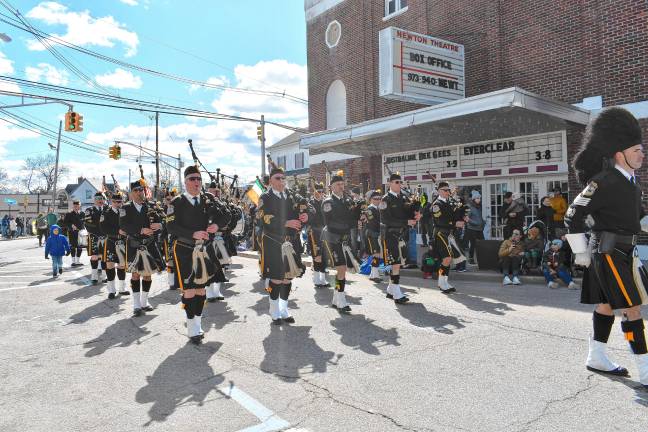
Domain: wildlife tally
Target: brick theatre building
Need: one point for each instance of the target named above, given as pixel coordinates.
(489, 95)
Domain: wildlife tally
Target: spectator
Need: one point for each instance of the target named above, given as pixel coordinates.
(51, 217)
(56, 246)
(513, 212)
(533, 247)
(554, 267)
(20, 226)
(12, 228)
(474, 226)
(546, 215)
(510, 253)
(5, 226)
(425, 221)
(559, 204)
(41, 228)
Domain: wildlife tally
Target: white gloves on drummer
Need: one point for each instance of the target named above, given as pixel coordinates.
(581, 248)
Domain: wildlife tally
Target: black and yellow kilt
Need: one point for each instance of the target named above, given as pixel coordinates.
(391, 249)
(95, 244)
(109, 251)
(609, 279)
(372, 245)
(183, 259)
(272, 263)
(333, 249)
(132, 245)
(73, 237)
(315, 241)
(442, 247)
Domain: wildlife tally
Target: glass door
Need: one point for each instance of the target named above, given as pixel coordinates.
(493, 201)
(529, 191)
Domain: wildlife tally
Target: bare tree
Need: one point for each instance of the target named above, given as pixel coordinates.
(39, 173)
(168, 178)
(4, 180)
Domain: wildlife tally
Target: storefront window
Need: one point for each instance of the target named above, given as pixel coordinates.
(497, 191)
(529, 191)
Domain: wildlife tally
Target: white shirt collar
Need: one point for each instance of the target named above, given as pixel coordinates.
(338, 197)
(393, 193)
(371, 205)
(277, 193)
(138, 207)
(191, 197)
(440, 198)
(625, 173)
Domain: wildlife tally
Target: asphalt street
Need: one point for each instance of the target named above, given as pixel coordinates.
(488, 358)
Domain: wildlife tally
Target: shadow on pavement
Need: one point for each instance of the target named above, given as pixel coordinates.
(85, 292)
(360, 332)
(184, 378)
(226, 290)
(479, 304)
(290, 352)
(102, 309)
(259, 287)
(217, 315)
(418, 315)
(120, 334)
(324, 297)
(170, 297)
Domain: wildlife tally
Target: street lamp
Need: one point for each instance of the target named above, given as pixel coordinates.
(5, 37)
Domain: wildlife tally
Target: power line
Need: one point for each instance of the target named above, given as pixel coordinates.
(41, 34)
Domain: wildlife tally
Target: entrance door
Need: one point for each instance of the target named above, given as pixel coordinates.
(529, 190)
(496, 190)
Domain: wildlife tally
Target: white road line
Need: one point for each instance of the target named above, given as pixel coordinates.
(61, 282)
(269, 421)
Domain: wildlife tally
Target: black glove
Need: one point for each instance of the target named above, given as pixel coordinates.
(67, 253)
(46, 256)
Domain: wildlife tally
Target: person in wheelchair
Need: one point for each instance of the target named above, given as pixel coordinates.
(511, 253)
(555, 268)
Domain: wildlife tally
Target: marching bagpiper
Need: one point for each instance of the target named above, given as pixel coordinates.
(315, 226)
(221, 255)
(372, 234)
(188, 221)
(140, 222)
(341, 214)
(446, 220)
(96, 238)
(611, 207)
(281, 220)
(74, 222)
(114, 251)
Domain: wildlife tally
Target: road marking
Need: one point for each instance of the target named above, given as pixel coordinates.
(269, 421)
(34, 286)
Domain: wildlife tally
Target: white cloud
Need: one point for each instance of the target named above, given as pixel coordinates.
(129, 2)
(6, 65)
(276, 76)
(10, 134)
(47, 73)
(220, 81)
(82, 29)
(119, 79)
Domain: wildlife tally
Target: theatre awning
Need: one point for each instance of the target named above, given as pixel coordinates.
(503, 113)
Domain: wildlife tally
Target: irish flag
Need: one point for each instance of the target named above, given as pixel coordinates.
(255, 192)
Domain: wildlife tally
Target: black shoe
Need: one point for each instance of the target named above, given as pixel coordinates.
(289, 320)
(345, 309)
(196, 340)
(377, 280)
(448, 291)
(148, 308)
(402, 300)
(389, 296)
(619, 371)
(277, 321)
(54, 274)
(95, 282)
(138, 312)
(111, 296)
(172, 288)
(220, 298)
(104, 281)
(124, 293)
(212, 300)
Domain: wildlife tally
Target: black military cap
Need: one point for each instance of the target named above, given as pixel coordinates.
(276, 170)
(191, 169)
(136, 184)
(442, 185)
(99, 196)
(338, 176)
(76, 202)
(117, 196)
(395, 176)
(375, 194)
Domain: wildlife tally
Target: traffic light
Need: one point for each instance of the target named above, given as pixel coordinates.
(114, 152)
(260, 132)
(73, 122)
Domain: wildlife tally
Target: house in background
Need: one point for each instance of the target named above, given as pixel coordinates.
(83, 191)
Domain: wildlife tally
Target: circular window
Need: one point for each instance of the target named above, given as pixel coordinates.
(333, 33)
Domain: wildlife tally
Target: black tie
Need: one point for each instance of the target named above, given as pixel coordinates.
(632, 180)
(195, 199)
(282, 195)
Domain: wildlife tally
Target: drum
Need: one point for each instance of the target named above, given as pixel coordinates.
(83, 238)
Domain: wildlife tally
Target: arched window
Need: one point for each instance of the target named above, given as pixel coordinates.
(336, 106)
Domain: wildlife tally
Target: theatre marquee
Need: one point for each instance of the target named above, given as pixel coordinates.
(419, 68)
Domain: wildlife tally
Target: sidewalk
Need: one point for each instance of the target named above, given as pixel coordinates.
(473, 273)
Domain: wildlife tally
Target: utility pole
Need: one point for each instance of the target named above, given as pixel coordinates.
(180, 164)
(58, 150)
(262, 139)
(129, 178)
(157, 154)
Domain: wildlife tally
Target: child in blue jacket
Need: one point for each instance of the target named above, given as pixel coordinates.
(57, 245)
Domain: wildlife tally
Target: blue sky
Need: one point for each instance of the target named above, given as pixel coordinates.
(257, 44)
